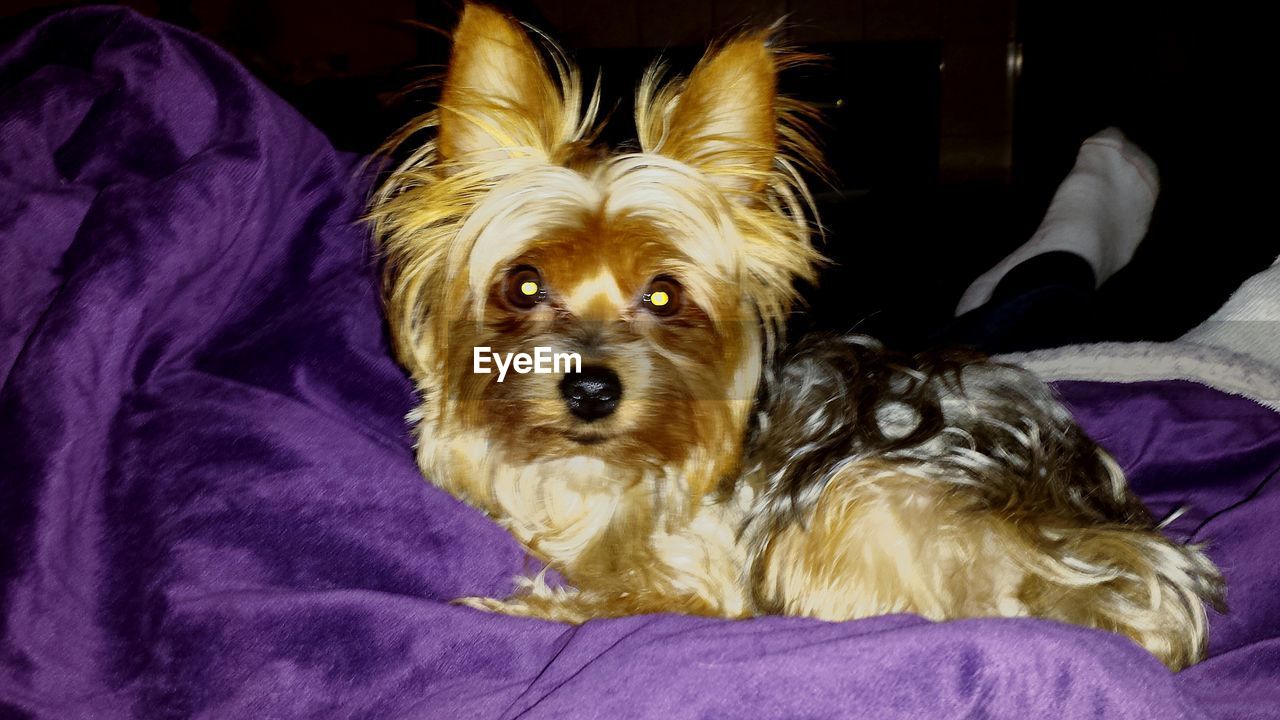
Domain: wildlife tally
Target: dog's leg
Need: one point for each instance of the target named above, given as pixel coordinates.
(694, 570)
(879, 542)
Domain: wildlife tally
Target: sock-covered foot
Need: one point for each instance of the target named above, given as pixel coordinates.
(1100, 212)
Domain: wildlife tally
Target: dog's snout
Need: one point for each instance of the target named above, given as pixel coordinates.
(591, 394)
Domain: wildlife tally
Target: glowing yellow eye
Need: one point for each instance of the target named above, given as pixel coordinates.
(663, 297)
(524, 288)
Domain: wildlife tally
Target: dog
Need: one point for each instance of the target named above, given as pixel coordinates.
(690, 464)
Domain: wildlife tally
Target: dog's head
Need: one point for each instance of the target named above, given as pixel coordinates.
(666, 269)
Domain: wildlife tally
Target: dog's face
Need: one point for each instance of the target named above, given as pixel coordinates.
(662, 343)
(664, 270)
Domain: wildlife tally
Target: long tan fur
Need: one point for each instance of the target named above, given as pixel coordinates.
(650, 508)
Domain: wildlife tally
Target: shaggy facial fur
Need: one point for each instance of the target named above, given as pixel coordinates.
(671, 474)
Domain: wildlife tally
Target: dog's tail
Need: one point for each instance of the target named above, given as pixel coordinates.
(1128, 580)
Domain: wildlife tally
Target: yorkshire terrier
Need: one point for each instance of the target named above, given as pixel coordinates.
(687, 465)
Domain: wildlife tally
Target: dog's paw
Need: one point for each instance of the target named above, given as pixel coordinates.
(493, 605)
(561, 607)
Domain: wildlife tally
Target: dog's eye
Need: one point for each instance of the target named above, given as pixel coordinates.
(664, 297)
(525, 288)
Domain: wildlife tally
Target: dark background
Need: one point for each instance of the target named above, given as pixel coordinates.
(950, 123)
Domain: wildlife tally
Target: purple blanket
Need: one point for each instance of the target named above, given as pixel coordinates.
(209, 506)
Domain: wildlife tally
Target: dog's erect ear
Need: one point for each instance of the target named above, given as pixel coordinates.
(723, 120)
(498, 99)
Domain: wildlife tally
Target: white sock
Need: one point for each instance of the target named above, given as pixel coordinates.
(1100, 212)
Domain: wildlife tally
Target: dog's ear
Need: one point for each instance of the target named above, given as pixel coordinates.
(498, 100)
(723, 119)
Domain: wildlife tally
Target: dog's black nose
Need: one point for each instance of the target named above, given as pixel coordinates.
(591, 394)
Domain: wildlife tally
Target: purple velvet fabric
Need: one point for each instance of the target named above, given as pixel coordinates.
(209, 506)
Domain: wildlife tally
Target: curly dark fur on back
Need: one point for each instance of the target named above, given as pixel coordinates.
(952, 415)
(1016, 485)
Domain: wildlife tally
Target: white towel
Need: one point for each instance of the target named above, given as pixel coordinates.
(1237, 350)
(1249, 323)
